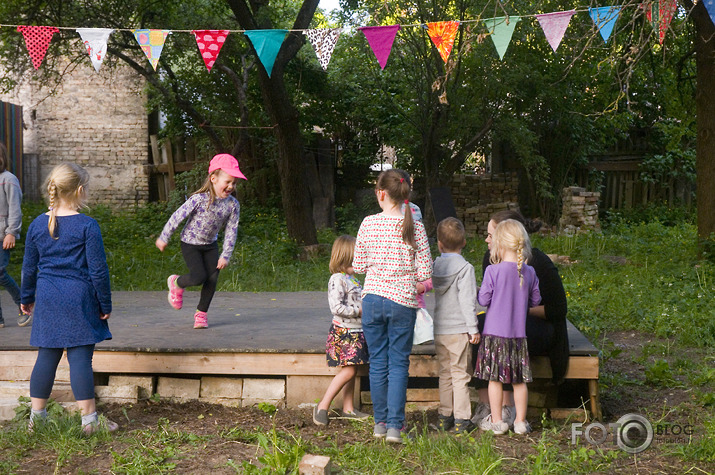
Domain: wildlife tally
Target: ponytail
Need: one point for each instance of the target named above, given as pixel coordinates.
(66, 186)
(52, 194)
(396, 183)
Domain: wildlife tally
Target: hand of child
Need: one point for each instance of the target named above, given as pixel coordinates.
(221, 263)
(8, 242)
(474, 338)
(160, 244)
(420, 288)
(27, 307)
(104, 316)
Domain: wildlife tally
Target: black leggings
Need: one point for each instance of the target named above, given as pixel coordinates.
(81, 375)
(201, 261)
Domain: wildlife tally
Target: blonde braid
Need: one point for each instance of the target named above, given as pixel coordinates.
(52, 222)
(520, 260)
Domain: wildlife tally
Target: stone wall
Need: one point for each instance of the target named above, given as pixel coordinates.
(97, 120)
(580, 211)
(477, 197)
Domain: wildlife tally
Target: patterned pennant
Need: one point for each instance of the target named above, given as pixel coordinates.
(95, 40)
(502, 29)
(554, 26)
(442, 34)
(210, 43)
(267, 43)
(37, 40)
(380, 39)
(661, 16)
(710, 7)
(323, 41)
(151, 42)
(605, 19)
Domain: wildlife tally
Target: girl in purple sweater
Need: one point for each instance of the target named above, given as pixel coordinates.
(206, 212)
(508, 289)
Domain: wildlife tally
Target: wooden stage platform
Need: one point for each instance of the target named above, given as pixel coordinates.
(268, 346)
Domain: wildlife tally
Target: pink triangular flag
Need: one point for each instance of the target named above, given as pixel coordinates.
(37, 40)
(380, 39)
(210, 43)
(666, 11)
(554, 26)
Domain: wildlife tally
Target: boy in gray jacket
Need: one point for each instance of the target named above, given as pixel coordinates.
(455, 325)
(10, 224)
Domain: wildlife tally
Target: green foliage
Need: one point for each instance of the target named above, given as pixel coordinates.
(659, 374)
(282, 452)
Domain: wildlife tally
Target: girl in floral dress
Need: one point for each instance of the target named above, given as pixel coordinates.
(346, 346)
(509, 288)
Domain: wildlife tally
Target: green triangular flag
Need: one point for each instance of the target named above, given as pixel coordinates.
(501, 29)
(267, 43)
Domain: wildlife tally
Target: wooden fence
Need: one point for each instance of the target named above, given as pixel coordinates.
(622, 186)
(166, 161)
(11, 136)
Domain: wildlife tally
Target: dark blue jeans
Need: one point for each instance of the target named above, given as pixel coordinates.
(388, 328)
(81, 374)
(7, 281)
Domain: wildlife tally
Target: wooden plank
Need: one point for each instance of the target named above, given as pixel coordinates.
(170, 163)
(155, 156)
(178, 167)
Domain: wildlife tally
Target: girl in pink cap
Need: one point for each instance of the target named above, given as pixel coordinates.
(207, 211)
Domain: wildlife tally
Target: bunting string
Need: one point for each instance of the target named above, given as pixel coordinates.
(267, 43)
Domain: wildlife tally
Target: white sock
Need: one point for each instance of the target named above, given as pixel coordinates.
(89, 419)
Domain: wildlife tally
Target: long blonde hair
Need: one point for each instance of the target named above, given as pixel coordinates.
(67, 183)
(398, 188)
(510, 235)
(207, 187)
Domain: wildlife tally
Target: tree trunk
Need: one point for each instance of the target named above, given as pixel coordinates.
(705, 109)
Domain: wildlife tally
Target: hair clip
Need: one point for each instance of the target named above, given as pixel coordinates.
(402, 180)
(407, 202)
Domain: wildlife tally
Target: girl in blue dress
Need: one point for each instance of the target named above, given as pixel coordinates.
(65, 284)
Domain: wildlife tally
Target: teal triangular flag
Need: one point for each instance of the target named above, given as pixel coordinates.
(501, 29)
(267, 43)
(605, 19)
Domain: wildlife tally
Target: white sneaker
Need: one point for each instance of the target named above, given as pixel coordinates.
(522, 427)
(482, 410)
(499, 428)
(508, 415)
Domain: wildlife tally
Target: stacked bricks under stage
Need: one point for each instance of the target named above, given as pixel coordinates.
(477, 197)
(580, 211)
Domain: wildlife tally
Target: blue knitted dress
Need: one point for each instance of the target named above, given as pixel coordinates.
(68, 280)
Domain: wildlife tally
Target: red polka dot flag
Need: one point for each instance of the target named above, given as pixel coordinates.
(37, 40)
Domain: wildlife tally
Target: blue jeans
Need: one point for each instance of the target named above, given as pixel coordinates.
(7, 281)
(388, 328)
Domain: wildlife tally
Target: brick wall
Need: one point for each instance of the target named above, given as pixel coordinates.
(580, 210)
(97, 120)
(477, 197)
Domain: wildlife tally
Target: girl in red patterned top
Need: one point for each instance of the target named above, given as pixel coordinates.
(393, 252)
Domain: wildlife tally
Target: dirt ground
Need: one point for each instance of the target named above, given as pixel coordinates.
(674, 405)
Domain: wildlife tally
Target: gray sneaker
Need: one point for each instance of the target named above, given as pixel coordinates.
(498, 428)
(480, 413)
(24, 319)
(522, 427)
(354, 415)
(320, 416)
(380, 430)
(397, 436)
(508, 415)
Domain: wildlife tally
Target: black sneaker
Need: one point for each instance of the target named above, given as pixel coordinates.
(445, 422)
(463, 426)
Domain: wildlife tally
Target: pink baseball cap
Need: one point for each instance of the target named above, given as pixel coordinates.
(227, 163)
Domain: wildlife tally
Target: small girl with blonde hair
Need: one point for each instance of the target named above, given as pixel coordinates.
(509, 288)
(65, 280)
(346, 345)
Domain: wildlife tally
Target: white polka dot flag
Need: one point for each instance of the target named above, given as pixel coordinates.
(95, 40)
(210, 43)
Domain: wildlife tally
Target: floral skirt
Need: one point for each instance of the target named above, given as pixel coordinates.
(503, 359)
(345, 347)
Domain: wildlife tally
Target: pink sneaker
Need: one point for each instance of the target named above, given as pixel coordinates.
(176, 293)
(200, 320)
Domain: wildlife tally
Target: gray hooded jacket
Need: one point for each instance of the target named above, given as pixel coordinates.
(455, 295)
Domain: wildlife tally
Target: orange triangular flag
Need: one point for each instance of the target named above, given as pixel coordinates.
(442, 34)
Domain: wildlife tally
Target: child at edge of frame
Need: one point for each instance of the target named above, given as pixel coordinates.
(208, 210)
(65, 283)
(345, 346)
(10, 225)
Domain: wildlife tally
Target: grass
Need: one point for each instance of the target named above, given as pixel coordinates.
(643, 276)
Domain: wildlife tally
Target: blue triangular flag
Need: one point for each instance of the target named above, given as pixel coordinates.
(267, 43)
(710, 7)
(605, 19)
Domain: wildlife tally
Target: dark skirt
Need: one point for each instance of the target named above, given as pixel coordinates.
(503, 359)
(345, 347)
